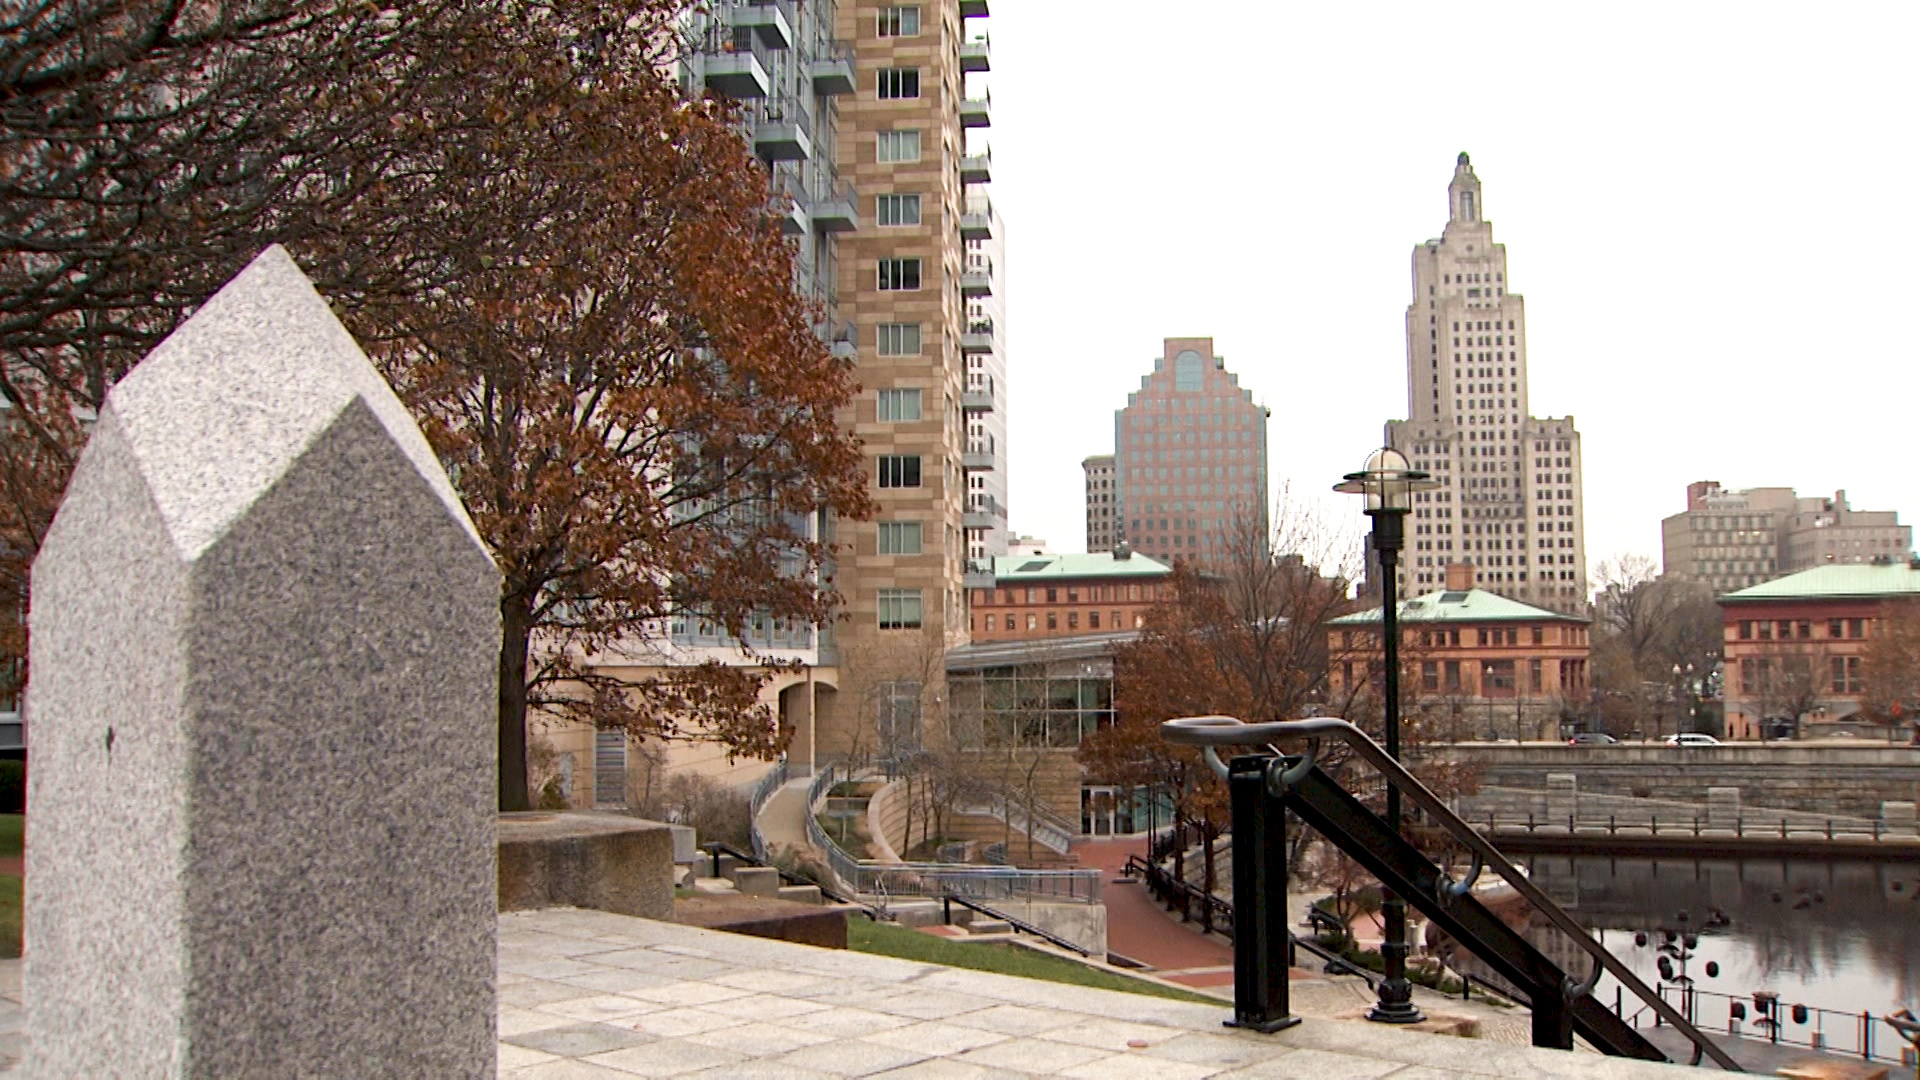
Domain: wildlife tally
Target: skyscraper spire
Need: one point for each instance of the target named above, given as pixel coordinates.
(1511, 504)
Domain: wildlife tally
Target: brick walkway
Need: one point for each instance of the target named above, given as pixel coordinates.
(1139, 929)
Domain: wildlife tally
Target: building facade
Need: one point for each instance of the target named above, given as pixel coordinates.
(1049, 596)
(1101, 498)
(1510, 501)
(1190, 456)
(1736, 539)
(1796, 647)
(1479, 665)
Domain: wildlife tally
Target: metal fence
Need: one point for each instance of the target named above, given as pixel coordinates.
(1695, 824)
(757, 799)
(981, 883)
(1763, 1017)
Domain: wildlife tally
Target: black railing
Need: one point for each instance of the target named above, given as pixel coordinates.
(1263, 787)
(1194, 903)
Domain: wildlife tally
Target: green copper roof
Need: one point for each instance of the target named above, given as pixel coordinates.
(1849, 580)
(1038, 567)
(1471, 606)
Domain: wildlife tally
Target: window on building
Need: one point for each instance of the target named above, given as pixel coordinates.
(898, 209)
(900, 339)
(899, 83)
(898, 723)
(899, 21)
(899, 538)
(1033, 621)
(899, 405)
(897, 146)
(1746, 629)
(899, 609)
(1010, 625)
(1073, 620)
(900, 470)
(899, 274)
(1836, 628)
(1856, 628)
(1846, 675)
(1430, 676)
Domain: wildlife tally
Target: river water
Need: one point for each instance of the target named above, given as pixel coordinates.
(1843, 936)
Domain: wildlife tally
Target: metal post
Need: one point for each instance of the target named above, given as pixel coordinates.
(1396, 993)
(1259, 900)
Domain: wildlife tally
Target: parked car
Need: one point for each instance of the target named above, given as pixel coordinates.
(1592, 738)
(1691, 738)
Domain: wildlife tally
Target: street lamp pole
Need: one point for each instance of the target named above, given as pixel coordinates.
(1388, 481)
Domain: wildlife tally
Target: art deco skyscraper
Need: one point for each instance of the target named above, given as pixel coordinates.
(1510, 504)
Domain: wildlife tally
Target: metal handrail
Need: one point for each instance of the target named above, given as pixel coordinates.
(763, 790)
(1210, 732)
(1021, 925)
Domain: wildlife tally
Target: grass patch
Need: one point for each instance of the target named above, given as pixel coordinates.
(13, 832)
(9, 916)
(886, 939)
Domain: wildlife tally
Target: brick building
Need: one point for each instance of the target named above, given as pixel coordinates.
(1048, 596)
(1796, 647)
(1477, 663)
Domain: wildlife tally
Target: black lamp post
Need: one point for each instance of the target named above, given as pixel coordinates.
(1388, 481)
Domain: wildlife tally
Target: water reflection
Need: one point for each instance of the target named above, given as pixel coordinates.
(1841, 936)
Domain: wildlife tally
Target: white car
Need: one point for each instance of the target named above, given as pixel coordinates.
(1692, 739)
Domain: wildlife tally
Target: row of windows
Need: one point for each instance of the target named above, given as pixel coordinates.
(1760, 675)
(1012, 623)
(1802, 629)
(1031, 594)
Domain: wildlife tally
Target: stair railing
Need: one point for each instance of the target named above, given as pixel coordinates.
(1212, 732)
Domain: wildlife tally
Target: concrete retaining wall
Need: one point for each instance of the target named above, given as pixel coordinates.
(1849, 781)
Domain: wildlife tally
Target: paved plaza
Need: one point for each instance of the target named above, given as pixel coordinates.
(586, 995)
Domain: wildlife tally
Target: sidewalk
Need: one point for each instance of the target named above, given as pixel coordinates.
(1137, 927)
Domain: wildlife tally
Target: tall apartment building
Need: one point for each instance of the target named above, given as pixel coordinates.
(1101, 498)
(1190, 455)
(1737, 539)
(874, 144)
(1510, 502)
(983, 342)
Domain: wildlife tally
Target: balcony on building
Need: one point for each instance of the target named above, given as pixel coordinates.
(977, 168)
(832, 68)
(839, 335)
(973, 9)
(977, 338)
(982, 512)
(732, 65)
(978, 396)
(973, 55)
(979, 573)
(835, 207)
(790, 204)
(781, 130)
(976, 220)
(770, 20)
(978, 455)
(976, 112)
(977, 280)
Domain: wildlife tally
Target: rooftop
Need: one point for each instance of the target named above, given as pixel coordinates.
(1102, 564)
(1848, 581)
(1469, 606)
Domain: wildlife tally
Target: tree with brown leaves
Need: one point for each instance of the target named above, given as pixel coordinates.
(566, 269)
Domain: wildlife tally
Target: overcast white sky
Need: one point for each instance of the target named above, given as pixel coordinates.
(1711, 210)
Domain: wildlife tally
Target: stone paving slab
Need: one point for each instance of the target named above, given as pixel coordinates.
(591, 996)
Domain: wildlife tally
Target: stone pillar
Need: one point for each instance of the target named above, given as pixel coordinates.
(1563, 799)
(1897, 819)
(264, 668)
(1723, 808)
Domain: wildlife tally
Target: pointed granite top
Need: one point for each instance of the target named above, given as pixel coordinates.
(221, 408)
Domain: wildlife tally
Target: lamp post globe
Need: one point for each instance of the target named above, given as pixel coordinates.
(1388, 481)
